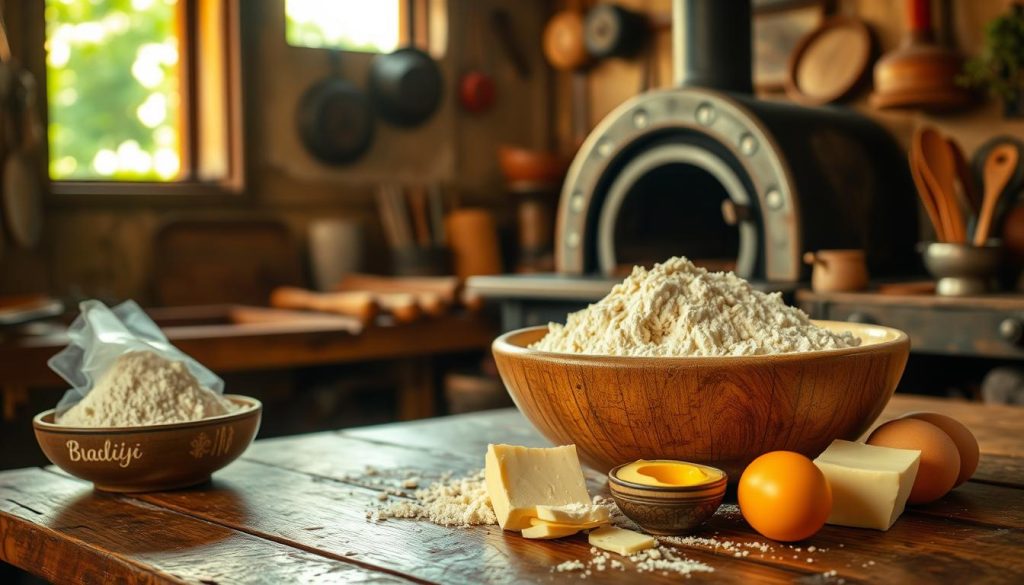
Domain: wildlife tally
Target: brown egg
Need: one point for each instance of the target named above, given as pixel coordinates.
(940, 460)
(966, 444)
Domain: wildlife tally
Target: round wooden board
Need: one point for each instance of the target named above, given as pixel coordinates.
(829, 62)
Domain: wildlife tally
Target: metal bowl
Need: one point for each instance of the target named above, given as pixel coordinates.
(963, 269)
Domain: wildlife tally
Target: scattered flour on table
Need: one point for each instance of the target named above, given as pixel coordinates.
(679, 309)
(451, 501)
(142, 388)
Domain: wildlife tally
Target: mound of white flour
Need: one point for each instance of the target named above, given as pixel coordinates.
(142, 388)
(678, 309)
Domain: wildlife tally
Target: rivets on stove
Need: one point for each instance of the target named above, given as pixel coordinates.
(577, 202)
(706, 114)
(573, 239)
(641, 119)
(748, 144)
(773, 198)
(604, 148)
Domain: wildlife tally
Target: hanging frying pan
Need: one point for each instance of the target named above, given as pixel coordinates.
(335, 120)
(610, 30)
(406, 85)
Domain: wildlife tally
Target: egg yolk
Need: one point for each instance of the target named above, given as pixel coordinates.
(665, 473)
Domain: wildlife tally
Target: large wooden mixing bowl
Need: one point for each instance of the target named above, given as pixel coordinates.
(719, 411)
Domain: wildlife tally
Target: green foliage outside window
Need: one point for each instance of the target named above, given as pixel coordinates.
(113, 89)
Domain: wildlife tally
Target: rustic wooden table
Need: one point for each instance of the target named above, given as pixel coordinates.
(293, 510)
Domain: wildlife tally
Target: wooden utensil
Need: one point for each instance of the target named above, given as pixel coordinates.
(829, 62)
(939, 172)
(432, 295)
(999, 168)
(564, 46)
(970, 196)
(927, 200)
(360, 305)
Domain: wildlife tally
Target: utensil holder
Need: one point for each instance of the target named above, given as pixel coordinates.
(416, 261)
(963, 269)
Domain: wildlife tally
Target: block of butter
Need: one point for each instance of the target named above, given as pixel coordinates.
(546, 529)
(870, 485)
(519, 479)
(573, 514)
(620, 541)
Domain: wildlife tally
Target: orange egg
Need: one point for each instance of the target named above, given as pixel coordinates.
(940, 460)
(784, 496)
(966, 444)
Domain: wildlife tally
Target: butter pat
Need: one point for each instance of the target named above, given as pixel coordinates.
(544, 529)
(870, 485)
(620, 541)
(519, 479)
(573, 514)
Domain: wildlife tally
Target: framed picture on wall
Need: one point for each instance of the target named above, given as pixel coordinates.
(777, 27)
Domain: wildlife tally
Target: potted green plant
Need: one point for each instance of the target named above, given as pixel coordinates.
(999, 69)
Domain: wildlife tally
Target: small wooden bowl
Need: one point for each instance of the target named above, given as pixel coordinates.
(668, 510)
(534, 167)
(718, 411)
(152, 458)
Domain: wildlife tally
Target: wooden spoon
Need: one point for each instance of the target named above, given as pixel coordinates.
(971, 197)
(999, 169)
(939, 172)
(926, 196)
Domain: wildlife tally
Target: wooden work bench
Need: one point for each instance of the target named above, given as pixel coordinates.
(294, 510)
(266, 340)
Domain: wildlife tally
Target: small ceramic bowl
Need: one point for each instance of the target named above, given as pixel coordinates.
(151, 458)
(668, 510)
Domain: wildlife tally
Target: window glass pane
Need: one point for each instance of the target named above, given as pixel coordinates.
(114, 89)
(352, 25)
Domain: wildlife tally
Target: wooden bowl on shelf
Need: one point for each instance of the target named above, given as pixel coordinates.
(522, 166)
(718, 411)
(150, 458)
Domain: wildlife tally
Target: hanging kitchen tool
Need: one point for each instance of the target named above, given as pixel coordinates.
(501, 26)
(920, 73)
(477, 91)
(406, 85)
(22, 177)
(610, 30)
(335, 119)
(1000, 167)
(564, 45)
(565, 49)
(829, 62)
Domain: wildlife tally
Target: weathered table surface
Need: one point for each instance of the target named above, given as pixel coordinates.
(293, 510)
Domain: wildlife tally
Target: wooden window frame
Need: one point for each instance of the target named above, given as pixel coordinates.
(212, 116)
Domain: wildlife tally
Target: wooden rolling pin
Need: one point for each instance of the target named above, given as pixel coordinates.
(360, 305)
(434, 294)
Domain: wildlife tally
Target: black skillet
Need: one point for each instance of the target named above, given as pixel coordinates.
(406, 85)
(335, 119)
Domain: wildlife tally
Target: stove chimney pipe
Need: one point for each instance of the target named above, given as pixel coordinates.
(711, 44)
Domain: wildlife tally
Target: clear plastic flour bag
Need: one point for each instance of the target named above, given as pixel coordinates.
(100, 335)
